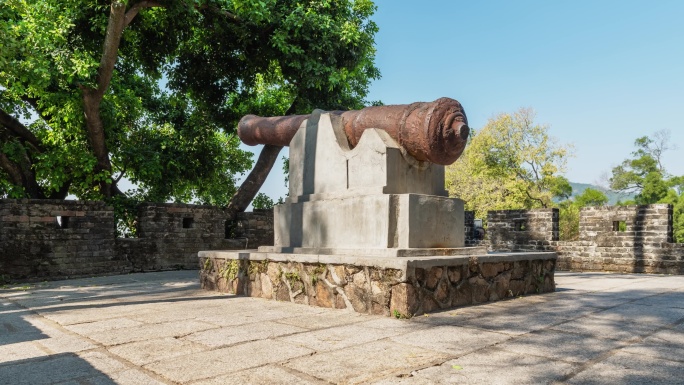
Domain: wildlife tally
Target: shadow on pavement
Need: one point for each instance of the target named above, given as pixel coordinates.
(56, 368)
(14, 328)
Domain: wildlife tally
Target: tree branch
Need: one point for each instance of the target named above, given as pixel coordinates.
(121, 174)
(22, 175)
(527, 192)
(534, 169)
(114, 190)
(17, 129)
(133, 11)
(250, 187)
(227, 14)
(110, 51)
(11, 169)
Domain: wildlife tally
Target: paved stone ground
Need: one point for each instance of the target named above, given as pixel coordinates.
(160, 328)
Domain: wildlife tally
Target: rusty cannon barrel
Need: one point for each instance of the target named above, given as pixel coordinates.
(429, 131)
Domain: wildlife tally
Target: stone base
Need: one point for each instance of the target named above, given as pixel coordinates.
(399, 287)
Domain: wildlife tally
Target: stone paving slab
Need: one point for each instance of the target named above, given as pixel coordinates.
(160, 328)
(561, 346)
(152, 350)
(488, 366)
(212, 363)
(365, 362)
(269, 374)
(604, 328)
(624, 368)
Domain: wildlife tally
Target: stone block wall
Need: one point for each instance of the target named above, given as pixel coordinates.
(626, 226)
(170, 235)
(522, 230)
(626, 239)
(35, 245)
(53, 238)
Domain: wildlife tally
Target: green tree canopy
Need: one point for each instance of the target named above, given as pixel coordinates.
(511, 163)
(591, 197)
(94, 91)
(645, 175)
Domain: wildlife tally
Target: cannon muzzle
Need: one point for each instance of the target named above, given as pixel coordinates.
(435, 131)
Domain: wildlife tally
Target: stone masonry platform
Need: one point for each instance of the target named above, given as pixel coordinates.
(390, 286)
(161, 328)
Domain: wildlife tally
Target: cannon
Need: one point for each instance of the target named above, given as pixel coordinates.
(430, 131)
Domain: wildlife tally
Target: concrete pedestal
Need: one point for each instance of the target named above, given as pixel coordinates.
(374, 196)
(371, 221)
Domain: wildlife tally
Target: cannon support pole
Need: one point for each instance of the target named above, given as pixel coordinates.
(435, 131)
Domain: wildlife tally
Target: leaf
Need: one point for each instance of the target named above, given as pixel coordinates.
(456, 367)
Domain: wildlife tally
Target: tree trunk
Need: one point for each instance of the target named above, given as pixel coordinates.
(97, 140)
(250, 187)
(92, 98)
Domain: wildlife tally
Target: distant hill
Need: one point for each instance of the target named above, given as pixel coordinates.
(613, 197)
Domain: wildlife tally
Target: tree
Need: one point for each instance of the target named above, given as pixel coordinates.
(645, 166)
(591, 197)
(511, 163)
(645, 175)
(95, 91)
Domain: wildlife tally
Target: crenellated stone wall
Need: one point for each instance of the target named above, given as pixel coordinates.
(55, 239)
(629, 239)
(626, 226)
(626, 239)
(170, 235)
(522, 230)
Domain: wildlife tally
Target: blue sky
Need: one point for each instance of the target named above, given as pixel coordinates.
(600, 73)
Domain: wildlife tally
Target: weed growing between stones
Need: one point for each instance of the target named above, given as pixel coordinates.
(320, 269)
(230, 269)
(258, 267)
(293, 278)
(398, 315)
(207, 264)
